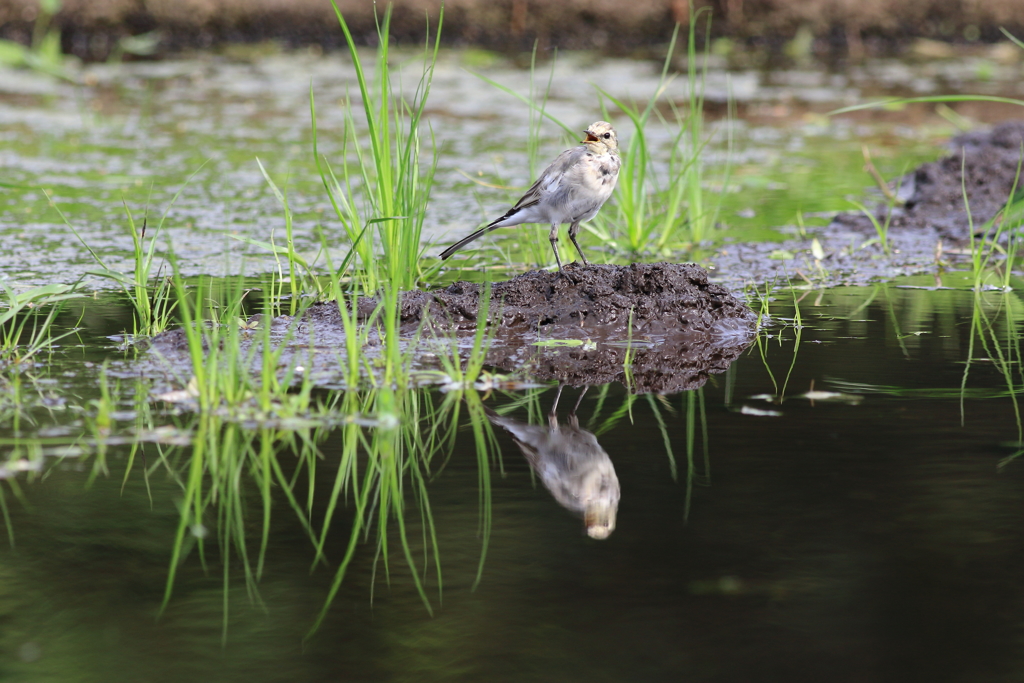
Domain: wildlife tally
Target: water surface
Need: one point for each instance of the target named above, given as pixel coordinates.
(872, 535)
(869, 535)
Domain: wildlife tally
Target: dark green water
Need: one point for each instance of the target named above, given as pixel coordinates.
(871, 538)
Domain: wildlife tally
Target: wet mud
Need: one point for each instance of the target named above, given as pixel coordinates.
(656, 327)
(587, 302)
(984, 165)
(929, 228)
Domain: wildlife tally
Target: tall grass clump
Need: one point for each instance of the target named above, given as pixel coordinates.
(236, 366)
(301, 276)
(149, 294)
(999, 237)
(252, 407)
(381, 201)
(701, 216)
(638, 213)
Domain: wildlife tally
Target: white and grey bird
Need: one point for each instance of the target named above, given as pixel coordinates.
(571, 190)
(571, 464)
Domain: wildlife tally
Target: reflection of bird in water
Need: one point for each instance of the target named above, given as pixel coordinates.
(571, 464)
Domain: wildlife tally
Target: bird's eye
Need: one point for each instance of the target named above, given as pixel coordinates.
(607, 136)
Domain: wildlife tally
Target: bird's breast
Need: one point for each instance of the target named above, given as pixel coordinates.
(600, 174)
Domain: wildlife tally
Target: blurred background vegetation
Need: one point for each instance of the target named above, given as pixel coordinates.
(828, 29)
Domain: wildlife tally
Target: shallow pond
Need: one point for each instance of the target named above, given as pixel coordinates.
(842, 503)
(866, 526)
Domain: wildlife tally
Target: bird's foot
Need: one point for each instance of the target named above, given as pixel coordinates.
(561, 271)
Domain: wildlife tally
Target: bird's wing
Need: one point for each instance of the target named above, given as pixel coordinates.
(551, 177)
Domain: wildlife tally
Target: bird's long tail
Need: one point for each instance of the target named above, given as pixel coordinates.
(466, 240)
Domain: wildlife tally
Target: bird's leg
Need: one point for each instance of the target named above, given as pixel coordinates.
(553, 415)
(553, 237)
(573, 230)
(573, 419)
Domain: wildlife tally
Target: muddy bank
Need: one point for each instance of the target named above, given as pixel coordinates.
(928, 232)
(983, 164)
(677, 328)
(838, 26)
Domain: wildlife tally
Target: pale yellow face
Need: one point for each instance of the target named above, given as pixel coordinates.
(601, 138)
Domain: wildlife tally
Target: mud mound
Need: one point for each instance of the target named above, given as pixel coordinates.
(983, 162)
(597, 300)
(674, 325)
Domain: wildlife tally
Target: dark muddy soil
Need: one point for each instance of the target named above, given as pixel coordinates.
(983, 164)
(676, 326)
(925, 233)
(594, 301)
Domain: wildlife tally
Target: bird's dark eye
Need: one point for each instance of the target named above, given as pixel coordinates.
(607, 136)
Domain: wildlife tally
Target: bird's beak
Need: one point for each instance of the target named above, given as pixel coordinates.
(590, 137)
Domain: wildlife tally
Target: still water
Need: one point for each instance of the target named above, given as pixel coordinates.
(842, 504)
(868, 531)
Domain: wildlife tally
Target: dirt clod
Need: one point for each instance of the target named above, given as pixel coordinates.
(586, 302)
(983, 164)
(932, 219)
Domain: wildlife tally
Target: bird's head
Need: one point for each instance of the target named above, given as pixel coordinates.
(599, 519)
(601, 138)
(599, 493)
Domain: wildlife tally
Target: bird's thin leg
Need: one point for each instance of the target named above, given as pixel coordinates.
(573, 229)
(580, 399)
(573, 419)
(553, 237)
(553, 415)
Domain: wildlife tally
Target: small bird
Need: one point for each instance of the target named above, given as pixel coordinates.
(571, 464)
(571, 190)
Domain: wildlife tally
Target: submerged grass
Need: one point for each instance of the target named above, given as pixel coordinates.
(761, 341)
(1003, 354)
(153, 305)
(385, 445)
(27, 317)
